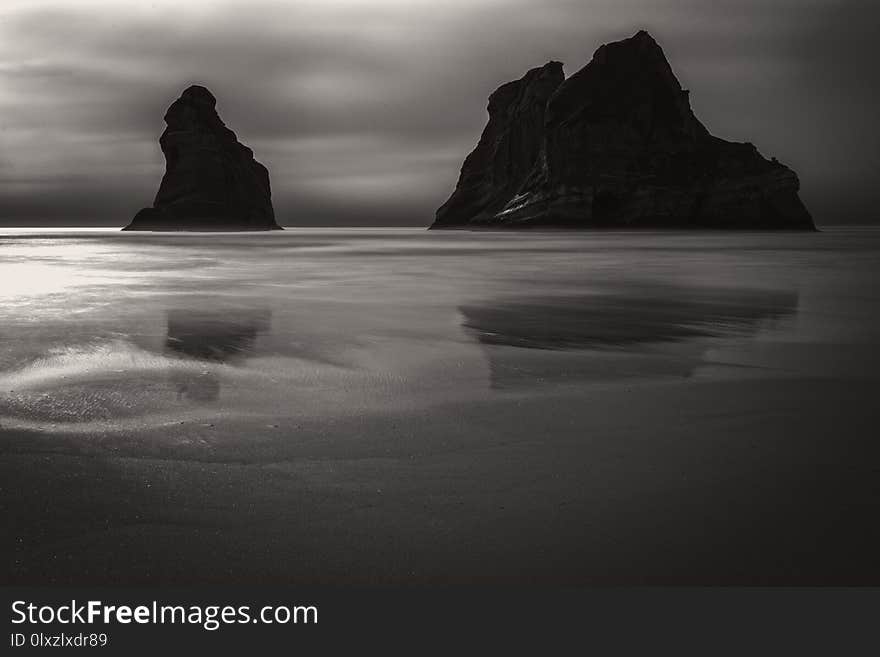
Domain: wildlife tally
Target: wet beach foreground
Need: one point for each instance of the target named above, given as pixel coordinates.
(399, 407)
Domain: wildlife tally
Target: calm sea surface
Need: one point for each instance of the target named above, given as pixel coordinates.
(402, 344)
(114, 332)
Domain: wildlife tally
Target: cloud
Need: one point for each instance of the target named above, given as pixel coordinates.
(364, 110)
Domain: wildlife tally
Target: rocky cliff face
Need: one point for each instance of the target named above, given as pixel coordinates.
(620, 147)
(507, 151)
(211, 181)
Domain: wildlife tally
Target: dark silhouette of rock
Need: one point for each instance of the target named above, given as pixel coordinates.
(619, 147)
(211, 181)
(508, 148)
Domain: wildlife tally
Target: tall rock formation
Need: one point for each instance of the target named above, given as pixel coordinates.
(211, 181)
(619, 147)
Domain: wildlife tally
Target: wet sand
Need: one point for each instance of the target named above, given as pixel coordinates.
(733, 483)
(680, 431)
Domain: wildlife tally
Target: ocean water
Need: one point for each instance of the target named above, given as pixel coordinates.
(584, 375)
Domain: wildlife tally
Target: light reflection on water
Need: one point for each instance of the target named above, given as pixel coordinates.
(108, 331)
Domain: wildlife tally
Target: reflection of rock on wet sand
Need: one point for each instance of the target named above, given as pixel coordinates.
(643, 331)
(217, 335)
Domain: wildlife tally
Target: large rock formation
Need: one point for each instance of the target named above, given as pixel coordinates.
(619, 147)
(211, 181)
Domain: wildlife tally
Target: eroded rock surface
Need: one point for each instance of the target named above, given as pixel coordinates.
(618, 147)
(211, 181)
(507, 151)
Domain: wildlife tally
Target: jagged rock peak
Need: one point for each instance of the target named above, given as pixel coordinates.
(619, 146)
(211, 182)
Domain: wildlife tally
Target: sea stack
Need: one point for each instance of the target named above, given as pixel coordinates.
(616, 145)
(212, 182)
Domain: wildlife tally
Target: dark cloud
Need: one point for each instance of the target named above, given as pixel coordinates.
(364, 110)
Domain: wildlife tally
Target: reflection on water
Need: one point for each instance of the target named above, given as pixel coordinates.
(216, 335)
(120, 332)
(154, 417)
(645, 330)
(640, 316)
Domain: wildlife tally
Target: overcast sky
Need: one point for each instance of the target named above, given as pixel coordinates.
(363, 110)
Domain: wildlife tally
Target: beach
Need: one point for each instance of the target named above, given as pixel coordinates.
(398, 407)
